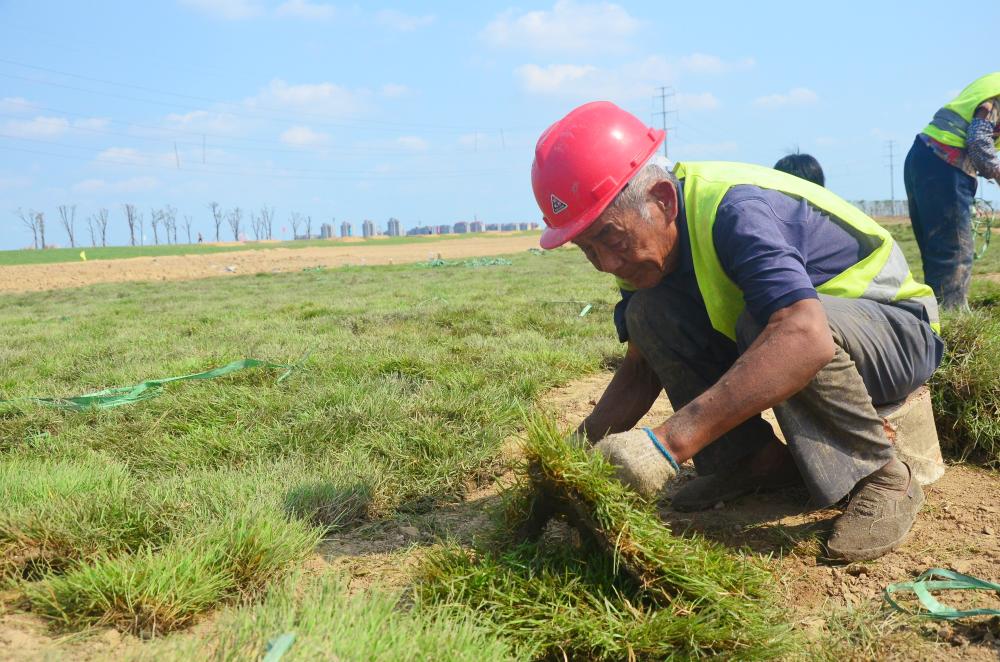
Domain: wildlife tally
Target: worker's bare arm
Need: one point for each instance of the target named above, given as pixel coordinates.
(627, 398)
(792, 348)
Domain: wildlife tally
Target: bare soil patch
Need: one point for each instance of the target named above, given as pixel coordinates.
(41, 277)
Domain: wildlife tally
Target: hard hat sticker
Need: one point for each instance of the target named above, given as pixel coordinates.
(557, 204)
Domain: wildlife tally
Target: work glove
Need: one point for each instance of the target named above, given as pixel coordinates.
(640, 460)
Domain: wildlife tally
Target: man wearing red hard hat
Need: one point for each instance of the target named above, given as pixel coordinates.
(743, 288)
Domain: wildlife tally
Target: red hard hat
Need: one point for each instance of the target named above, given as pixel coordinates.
(582, 162)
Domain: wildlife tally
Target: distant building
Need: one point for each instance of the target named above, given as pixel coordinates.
(522, 226)
(423, 229)
(476, 226)
(367, 229)
(393, 227)
(508, 227)
(461, 227)
(345, 229)
(492, 227)
(533, 226)
(442, 229)
(326, 231)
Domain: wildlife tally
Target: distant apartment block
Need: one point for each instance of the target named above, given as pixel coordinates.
(345, 229)
(393, 228)
(367, 229)
(423, 229)
(508, 227)
(442, 229)
(492, 227)
(476, 226)
(461, 227)
(326, 231)
(522, 226)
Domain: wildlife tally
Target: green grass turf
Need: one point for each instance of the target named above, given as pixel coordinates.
(146, 516)
(53, 255)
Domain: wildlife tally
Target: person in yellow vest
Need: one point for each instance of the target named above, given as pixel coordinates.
(743, 288)
(940, 172)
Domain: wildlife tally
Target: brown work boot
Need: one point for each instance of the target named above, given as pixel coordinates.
(772, 468)
(879, 515)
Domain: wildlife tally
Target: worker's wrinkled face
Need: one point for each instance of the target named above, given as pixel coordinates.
(635, 248)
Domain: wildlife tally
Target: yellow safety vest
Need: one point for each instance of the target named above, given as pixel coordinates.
(883, 275)
(951, 122)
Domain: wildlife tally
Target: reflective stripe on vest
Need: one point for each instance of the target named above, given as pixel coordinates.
(883, 275)
(950, 123)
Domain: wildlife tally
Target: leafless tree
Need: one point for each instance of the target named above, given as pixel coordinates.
(131, 217)
(102, 225)
(142, 228)
(40, 222)
(234, 218)
(169, 216)
(67, 214)
(295, 220)
(187, 226)
(267, 221)
(309, 227)
(155, 218)
(91, 227)
(31, 222)
(255, 226)
(217, 217)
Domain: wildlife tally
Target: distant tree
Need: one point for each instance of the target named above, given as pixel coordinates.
(187, 226)
(92, 229)
(67, 214)
(30, 222)
(296, 221)
(255, 226)
(142, 228)
(309, 227)
(155, 218)
(131, 217)
(234, 218)
(40, 222)
(169, 216)
(217, 217)
(267, 221)
(102, 225)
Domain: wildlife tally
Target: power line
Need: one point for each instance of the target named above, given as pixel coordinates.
(663, 112)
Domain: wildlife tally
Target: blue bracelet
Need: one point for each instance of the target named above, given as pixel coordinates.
(663, 451)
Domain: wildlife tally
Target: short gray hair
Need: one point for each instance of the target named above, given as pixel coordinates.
(635, 195)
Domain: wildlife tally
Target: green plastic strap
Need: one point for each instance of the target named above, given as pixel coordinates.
(125, 395)
(278, 647)
(949, 581)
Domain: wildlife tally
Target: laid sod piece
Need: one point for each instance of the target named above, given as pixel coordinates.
(156, 591)
(330, 624)
(965, 390)
(654, 596)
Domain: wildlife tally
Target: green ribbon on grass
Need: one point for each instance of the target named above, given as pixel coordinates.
(949, 581)
(126, 395)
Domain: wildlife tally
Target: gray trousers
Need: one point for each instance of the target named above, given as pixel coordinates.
(882, 354)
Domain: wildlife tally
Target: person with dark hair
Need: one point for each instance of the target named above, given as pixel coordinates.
(803, 166)
(940, 176)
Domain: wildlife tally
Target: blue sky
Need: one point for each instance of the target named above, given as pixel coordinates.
(429, 111)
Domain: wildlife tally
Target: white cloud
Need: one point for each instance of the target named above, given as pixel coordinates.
(204, 121)
(401, 22)
(569, 27)
(92, 123)
(314, 98)
(562, 79)
(305, 9)
(394, 90)
(412, 142)
(798, 96)
(16, 105)
(303, 136)
(132, 156)
(131, 185)
(701, 63)
(230, 10)
(695, 101)
(39, 127)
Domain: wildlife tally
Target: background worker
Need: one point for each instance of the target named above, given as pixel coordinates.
(804, 166)
(940, 176)
(748, 295)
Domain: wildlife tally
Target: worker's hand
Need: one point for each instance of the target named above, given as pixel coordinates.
(638, 462)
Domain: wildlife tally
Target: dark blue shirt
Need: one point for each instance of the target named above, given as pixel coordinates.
(777, 249)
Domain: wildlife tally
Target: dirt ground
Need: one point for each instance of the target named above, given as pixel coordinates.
(40, 277)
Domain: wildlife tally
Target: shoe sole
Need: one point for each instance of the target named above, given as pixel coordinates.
(872, 553)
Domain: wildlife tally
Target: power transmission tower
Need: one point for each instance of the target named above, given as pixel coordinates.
(665, 93)
(891, 144)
